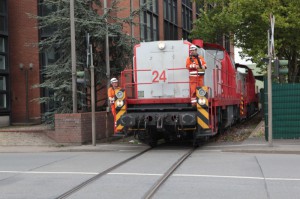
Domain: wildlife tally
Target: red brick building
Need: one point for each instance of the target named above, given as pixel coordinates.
(24, 62)
(164, 20)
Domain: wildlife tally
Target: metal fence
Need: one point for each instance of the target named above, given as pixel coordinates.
(285, 108)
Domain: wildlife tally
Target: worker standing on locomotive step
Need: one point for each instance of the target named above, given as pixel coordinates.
(196, 66)
(111, 97)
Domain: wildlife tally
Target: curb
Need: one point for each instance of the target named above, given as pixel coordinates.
(266, 151)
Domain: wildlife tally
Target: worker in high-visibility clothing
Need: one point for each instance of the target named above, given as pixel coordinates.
(111, 97)
(196, 65)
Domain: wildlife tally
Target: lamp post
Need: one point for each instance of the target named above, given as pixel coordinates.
(25, 69)
(73, 56)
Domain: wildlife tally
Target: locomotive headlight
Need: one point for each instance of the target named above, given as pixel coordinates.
(119, 103)
(161, 45)
(201, 92)
(201, 101)
(120, 95)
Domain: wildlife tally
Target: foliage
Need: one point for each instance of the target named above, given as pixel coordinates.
(249, 21)
(56, 42)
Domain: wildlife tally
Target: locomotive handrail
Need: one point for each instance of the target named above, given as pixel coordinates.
(218, 82)
(125, 84)
(211, 123)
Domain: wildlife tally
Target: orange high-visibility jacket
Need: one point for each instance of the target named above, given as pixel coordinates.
(195, 79)
(191, 61)
(111, 98)
(111, 92)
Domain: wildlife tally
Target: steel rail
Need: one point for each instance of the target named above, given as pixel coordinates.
(85, 183)
(149, 194)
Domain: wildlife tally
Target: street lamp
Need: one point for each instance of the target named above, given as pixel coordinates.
(25, 69)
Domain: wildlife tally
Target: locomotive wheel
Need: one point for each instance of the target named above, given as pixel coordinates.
(195, 140)
(220, 121)
(166, 137)
(151, 138)
(152, 143)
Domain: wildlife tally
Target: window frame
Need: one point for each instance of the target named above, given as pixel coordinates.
(4, 72)
(170, 19)
(3, 18)
(149, 24)
(187, 18)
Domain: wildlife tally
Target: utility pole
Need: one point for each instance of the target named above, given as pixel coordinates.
(93, 97)
(131, 32)
(107, 65)
(73, 57)
(271, 52)
(106, 47)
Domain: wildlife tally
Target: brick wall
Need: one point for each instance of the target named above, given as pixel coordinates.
(125, 12)
(23, 34)
(76, 128)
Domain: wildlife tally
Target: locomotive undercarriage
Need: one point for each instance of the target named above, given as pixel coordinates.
(149, 127)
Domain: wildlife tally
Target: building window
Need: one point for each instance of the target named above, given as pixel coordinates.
(170, 20)
(3, 9)
(199, 6)
(2, 62)
(45, 10)
(3, 104)
(3, 96)
(3, 24)
(2, 45)
(3, 16)
(149, 21)
(50, 57)
(3, 54)
(2, 83)
(187, 18)
(187, 3)
(4, 75)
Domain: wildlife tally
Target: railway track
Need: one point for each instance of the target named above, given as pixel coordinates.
(166, 175)
(94, 178)
(155, 187)
(150, 193)
(239, 130)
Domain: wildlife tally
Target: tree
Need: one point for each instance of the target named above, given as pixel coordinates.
(57, 75)
(248, 21)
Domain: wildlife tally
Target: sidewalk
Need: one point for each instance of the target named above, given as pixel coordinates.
(256, 143)
(33, 139)
(31, 135)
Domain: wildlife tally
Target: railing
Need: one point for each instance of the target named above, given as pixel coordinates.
(129, 78)
(221, 87)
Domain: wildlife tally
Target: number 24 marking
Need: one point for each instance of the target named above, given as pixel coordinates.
(158, 77)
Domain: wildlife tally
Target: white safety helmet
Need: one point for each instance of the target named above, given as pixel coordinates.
(113, 80)
(193, 47)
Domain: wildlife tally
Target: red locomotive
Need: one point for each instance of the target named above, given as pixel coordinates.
(155, 100)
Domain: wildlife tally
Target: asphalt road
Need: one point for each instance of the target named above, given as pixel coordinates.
(205, 174)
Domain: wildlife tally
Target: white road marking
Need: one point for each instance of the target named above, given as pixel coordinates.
(217, 176)
(154, 174)
(210, 150)
(211, 176)
(237, 145)
(50, 172)
(237, 177)
(136, 174)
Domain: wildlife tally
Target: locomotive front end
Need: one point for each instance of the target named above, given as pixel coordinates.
(158, 94)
